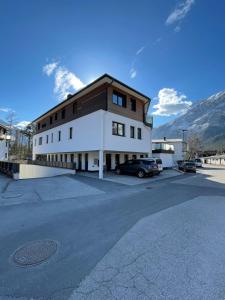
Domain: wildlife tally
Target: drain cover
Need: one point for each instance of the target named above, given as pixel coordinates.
(34, 253)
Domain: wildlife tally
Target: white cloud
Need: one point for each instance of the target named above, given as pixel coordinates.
(180, 12)
(140, 50)
(66, 82)
(133, 73)
(22, 124)
(5, 109)
(50, 68)
(171, 103)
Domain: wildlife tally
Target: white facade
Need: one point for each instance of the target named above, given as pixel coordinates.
(4, 144)
(179, 147)
(167, 159)
(92, 135)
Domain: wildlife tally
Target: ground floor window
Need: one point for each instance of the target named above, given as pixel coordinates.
(117, 159)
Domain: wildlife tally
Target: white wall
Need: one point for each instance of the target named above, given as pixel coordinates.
(126, 144)
(85, 136)
(33, 171)
(94, 132)
(3, 150)
(167, 159)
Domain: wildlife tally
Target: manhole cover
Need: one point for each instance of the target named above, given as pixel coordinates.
(11, 195)
(34, 253)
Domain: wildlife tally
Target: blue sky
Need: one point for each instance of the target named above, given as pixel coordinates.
(172, 51)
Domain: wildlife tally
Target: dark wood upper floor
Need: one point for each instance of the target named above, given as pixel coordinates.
(109, 96)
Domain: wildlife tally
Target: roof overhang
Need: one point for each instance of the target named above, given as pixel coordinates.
(104, 79)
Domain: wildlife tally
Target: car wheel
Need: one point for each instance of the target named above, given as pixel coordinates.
(118, 171)
(140, 174)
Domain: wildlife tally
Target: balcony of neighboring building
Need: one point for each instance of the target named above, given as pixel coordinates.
(162, 148)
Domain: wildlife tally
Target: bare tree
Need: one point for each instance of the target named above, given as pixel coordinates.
(195, 145)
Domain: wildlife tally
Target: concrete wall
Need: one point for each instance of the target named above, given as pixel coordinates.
(33, 171)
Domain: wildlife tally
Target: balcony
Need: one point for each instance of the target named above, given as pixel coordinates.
(162, 148)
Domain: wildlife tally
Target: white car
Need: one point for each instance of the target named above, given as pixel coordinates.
(158, 161)
(198, 163)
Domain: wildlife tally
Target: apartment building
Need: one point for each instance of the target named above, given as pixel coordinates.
(98, 127)
(4, 142)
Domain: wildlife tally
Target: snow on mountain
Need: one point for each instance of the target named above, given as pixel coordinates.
(206, 118)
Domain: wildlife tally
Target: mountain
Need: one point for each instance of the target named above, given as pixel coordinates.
(206, 118)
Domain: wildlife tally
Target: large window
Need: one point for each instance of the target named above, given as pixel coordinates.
(133, 104)
(118, 129)
(132, 130)
(139, 133)
(119, 99)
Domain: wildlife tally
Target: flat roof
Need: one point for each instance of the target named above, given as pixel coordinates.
(105, 78)
(167, 140)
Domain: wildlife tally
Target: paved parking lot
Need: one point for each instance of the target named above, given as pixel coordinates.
(171, 223)
(131, 180)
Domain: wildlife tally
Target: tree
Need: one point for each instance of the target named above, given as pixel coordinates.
(195, 145)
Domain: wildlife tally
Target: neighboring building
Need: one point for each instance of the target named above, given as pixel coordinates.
(214, 160)
(4, 141)
(100, 126)
(169, 150)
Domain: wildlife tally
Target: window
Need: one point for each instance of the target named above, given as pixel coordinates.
(139, 133)
(141, 156)
(39, 126)
(74, 107)
(47, 139)
(61, 157)
(125, 157)
(72, 158)
(52, 137)
(65, 157)
(71, 133)
(132, 132)
(56, 157)
(134, 156)
(43, 125)
(63, 113)
(56, 116)
(118, 129)
(133, 104)
(119, 99)
(59, 135)
(40, 140)
(50, 120)
(6, 144)
(5, 155)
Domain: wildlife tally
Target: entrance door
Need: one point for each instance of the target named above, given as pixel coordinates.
(108, 161)
(79, 162)
(86, 161)
(117, 159)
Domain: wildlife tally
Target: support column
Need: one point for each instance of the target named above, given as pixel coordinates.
(101, 162)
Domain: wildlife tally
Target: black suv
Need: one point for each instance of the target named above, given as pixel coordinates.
(138, 167)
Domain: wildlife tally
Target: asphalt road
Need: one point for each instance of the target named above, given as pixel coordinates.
(85, 229)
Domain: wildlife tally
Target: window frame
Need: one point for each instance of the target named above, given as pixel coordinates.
(63, 113)
(139, 133)
(133, 104)
(115, 99)
(132, 132)
(59, 135)
(117, 130)
(70, 133)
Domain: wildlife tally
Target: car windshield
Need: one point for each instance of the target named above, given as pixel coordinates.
(190, 164)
